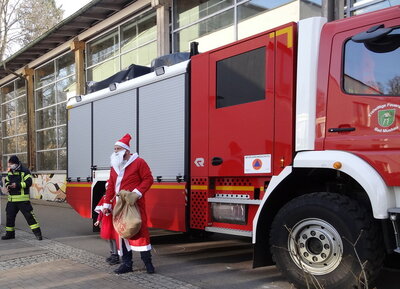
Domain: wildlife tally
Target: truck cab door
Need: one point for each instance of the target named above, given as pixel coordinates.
(241, 108)
(363, 103)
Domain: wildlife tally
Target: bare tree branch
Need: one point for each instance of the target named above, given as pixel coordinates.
(22, 21)
(362, 279)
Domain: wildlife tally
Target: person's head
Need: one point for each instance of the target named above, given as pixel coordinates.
(125, 153)
(123, 145)
(13, 162)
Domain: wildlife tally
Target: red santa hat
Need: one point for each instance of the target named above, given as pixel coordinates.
(124, 142)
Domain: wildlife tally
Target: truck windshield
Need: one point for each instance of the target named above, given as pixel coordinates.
(373, 68)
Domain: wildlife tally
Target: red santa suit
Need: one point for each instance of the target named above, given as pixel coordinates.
(107, 231)
(134, 176)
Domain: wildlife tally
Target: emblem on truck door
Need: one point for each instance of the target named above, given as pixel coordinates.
(385, 115)
(199, 162)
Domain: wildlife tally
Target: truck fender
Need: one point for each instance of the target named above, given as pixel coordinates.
(380, 195)
(275, 181)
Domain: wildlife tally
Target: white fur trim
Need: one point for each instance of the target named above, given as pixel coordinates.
(107, 206)
(132, 248)
(131, 160)
(119, 180)
(98, 209)
(141, 248)
(121, 144)
(137, 192)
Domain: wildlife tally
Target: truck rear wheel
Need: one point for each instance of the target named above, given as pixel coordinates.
(312, 241)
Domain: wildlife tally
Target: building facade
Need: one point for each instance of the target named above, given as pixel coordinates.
(107, 36)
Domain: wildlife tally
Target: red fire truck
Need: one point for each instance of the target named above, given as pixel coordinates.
(290, 137)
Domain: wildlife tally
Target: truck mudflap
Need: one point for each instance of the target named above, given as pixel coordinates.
(79, 196)
(394, 214)
(166, 205)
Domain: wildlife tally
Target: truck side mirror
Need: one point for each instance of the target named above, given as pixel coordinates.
(372, 34)
(378, 39)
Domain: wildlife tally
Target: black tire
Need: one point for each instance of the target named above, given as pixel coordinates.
(323, 228)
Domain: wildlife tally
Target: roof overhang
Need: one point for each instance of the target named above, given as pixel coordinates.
(88, 16)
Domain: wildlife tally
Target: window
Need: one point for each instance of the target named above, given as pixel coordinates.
(102, 60)
(139, 41)
(188, 12)
(254, 7)
(241, 78)
(214, 23)
(54, 83)
(133, 42)
(369, 69)
(14, 121)
(221, 24)
(357, 7)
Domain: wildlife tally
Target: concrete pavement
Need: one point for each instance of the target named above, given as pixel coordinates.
(26, 263)
(71, 256)
(216, 262)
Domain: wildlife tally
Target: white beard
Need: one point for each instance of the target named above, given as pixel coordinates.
(117, 158)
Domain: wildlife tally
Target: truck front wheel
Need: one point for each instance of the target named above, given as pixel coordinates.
(315, 239)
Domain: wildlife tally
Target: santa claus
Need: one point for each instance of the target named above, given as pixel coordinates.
(130, 172)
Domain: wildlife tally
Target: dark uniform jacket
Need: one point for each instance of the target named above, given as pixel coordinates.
(21, 176)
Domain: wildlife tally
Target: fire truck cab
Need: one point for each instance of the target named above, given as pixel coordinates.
(290, 137)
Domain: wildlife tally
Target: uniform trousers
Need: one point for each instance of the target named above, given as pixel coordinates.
(26, 209)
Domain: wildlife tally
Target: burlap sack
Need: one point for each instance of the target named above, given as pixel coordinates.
(126, 216)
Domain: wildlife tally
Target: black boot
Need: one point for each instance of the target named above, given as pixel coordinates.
(113, 259)
(8, 235)
(146, 257)
(109, 258)
(127, 263)
(38, 234)
(122, 269)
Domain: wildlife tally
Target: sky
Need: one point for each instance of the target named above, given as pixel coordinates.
(71, 6)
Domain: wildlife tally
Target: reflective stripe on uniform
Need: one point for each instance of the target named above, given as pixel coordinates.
(33, 215)
(10, 229)
(6, 180)
(18, 198)
(24, 178)
(22, 184)
(22, 194)
(34, 226)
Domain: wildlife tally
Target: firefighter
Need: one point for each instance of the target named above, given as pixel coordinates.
(18, 182)
(130, 172)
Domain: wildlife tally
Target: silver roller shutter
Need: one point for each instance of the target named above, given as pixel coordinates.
(79, 142)
(113, 117)
(162, 126)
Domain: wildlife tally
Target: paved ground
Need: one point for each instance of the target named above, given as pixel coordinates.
(72, 257)
(28, 263)
(216, 262)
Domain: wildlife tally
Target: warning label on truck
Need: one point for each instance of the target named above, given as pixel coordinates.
(257, 164)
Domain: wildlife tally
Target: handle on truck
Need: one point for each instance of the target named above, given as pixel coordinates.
(216, 161)
(341, 129)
